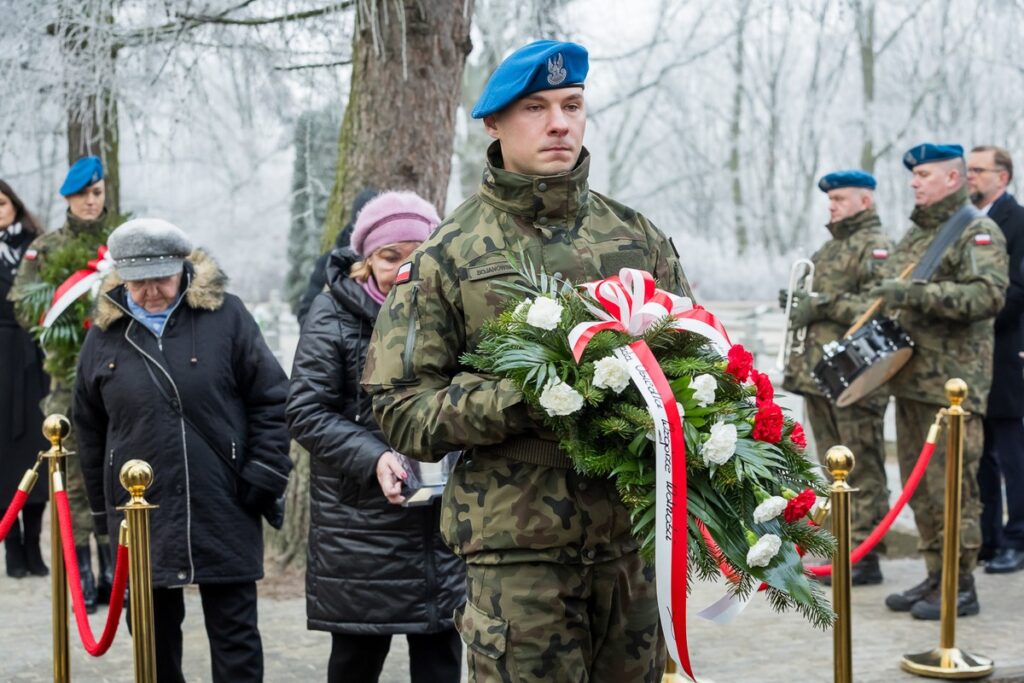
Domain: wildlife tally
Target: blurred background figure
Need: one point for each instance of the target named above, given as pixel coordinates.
(23, 384)
(174, 371)
(375, 568)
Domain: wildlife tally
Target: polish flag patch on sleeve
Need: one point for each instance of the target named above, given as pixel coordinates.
(31, 255)
(404, 273)
(879, 254)
(983, 239)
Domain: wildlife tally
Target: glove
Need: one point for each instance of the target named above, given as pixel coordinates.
(783, 298)
(263, 502)
(897, 293)
(807, 308)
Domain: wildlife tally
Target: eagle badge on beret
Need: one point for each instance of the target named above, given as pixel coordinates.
(556, 69)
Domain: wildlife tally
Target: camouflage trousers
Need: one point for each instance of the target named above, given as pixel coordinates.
(59, 401)
(546, 621)
(913, 419)
(859, 428)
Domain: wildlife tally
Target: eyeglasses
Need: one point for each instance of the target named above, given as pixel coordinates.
(978, 170)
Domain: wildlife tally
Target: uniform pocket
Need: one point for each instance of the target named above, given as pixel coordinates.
(481, 632)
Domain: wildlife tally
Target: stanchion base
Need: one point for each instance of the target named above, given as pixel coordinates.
(949, 662)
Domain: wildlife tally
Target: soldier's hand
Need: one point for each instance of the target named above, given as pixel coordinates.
(783, 298)
(390, 475)
(895, 292)
(807, 308)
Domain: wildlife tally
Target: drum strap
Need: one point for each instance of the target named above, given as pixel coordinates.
(947, 234)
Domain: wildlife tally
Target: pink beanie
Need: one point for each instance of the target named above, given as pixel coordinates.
(393, 217)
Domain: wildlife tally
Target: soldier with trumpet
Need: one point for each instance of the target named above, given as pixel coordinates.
(822, 302)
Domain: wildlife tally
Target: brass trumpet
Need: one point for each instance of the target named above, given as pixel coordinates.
(801, 278)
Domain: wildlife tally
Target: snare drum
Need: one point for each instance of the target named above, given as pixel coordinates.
(854, 367)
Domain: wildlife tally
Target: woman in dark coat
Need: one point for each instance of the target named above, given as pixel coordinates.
(174, 371)
(375, 568)
(23, 384)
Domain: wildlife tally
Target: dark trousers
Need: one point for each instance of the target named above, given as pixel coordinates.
(229, 610)
(433, 657)
(1002, 461)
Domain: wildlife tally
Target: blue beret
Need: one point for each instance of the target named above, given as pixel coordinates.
(852, 178)
(83, 173)
(927, 152)
(541, 65)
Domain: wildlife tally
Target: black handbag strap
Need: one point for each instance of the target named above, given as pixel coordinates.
(947, 234)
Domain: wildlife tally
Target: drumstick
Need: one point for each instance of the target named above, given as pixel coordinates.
(870, 313)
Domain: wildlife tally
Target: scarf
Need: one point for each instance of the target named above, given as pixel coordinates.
(10, 255)
(154, 321)
(371, 288)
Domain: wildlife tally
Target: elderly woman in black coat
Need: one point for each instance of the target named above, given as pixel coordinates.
(375, 568)
(175, 371)
(23, 384)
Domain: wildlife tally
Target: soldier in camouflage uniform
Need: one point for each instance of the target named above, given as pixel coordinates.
(950, 318)
(555, 586)
(85, 193)
(845, 268)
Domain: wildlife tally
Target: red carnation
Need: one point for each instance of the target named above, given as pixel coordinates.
(798, 507)
(765, 390)
(798, 437)
(768, 422)
(741, 362)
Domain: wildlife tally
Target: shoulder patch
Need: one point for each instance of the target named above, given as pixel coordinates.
(31, 255)
(404, 273)
(983, 239)
(879, 254)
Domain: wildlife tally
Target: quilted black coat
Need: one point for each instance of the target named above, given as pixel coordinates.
(374, 567)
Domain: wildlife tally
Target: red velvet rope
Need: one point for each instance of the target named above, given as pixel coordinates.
(13, 510)
(67, 537)
(883, 527)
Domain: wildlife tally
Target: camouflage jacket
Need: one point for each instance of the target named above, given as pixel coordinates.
(950, 317)
(44, 246)
(845, 268)
(428, 404)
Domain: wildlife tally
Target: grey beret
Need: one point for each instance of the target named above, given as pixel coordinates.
(145, 248)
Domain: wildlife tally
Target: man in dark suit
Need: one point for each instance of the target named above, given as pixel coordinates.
(989, 171)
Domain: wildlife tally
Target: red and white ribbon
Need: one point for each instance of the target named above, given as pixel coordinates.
(630, 302)
(80, 282)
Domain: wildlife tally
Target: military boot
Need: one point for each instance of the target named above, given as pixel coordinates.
(84, 556)
(867, 572)
(14, 553)
(106, 582)
(930, 608)
(903, 602)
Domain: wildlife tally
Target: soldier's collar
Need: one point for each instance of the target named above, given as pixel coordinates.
(863, 219)
(934, 215)
(548, 201)
(79, 225)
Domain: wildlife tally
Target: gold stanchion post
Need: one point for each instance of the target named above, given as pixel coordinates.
(136, 476)
(840, 462)
(56, 428)
(947, 660)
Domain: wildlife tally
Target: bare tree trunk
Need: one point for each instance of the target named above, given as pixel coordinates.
(287, 546)
(735, 130)
(407, 63)
(89, 55)
(865, 20)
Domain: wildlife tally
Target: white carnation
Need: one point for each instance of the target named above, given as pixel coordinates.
(722, 444)
(770, 509)
(558, 398)
(611, 373)
(522, 307)
(704, 387)
(545, 313)
(764, 550)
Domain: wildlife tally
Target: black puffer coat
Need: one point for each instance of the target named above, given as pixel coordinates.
(374, 567)
(213, 429)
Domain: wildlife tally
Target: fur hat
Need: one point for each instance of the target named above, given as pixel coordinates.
(393, 217)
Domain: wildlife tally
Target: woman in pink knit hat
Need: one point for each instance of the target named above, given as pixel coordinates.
(376, 568)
